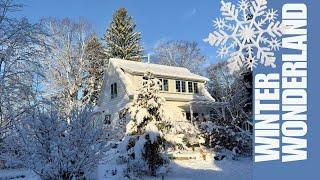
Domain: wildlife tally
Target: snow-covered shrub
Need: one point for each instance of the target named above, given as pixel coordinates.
(55, 146)
(229, 138)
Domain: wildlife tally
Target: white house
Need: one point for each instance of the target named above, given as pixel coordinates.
(185, 93)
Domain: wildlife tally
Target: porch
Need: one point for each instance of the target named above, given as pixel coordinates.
(204, 110)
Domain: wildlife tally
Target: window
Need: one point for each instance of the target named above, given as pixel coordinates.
(114, 90)
(190, 87)
(165, 85)
(161, 84)
(195, 87)
(183, 86)
(178, 86)
(111, 93)
(107, 119)
(122, 116)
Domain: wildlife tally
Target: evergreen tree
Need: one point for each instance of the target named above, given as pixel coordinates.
(147, 108)
(150, 131)
(97, 62)
(147, 127)
(122, 39)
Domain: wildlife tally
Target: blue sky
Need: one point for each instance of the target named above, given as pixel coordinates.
(156, 19)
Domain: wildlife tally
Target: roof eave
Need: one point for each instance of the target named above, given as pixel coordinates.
(166, 76)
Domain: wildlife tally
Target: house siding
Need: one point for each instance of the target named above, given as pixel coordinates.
(128, 84)
(113, 105)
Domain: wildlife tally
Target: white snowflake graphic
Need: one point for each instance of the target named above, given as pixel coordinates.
(247, 34)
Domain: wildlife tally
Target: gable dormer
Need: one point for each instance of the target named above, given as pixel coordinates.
(177, 83)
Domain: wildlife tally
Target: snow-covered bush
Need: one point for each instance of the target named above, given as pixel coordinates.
(227, 137)
(183, 135)
(54, 147)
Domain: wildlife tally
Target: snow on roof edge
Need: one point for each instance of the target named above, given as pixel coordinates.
(134, 67)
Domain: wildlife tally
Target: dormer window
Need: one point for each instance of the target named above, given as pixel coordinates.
(114, 90)
(195, 88)
(161, 84)
(183, 86)
(178, 86)
(190, 87)
(164, 86)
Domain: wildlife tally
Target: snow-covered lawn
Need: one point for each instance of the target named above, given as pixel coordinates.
(18, 174)
(208, 170)
(194, 169)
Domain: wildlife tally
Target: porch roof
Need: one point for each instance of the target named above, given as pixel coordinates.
(209, 103)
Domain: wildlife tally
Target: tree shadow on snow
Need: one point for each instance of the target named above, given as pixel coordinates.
(226, 169)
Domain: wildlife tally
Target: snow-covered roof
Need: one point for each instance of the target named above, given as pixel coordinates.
(135, 67)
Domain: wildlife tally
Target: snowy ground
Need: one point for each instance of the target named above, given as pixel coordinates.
(18, 174)
(208, 170)
(226, 169)
(194, 169)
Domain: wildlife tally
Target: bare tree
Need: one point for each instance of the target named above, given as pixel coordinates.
(66, 62)
(20, 67)
(44, 142)
(233, 88)
(180, 53)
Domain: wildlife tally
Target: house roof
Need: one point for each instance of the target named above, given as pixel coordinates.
(134, 67)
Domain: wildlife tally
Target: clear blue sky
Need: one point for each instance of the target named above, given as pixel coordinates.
(156, 19)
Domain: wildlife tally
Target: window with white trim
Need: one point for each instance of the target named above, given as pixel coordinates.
(161, 84)
(178, 86)
(190, 87)
(195, 88)
(114, 90)
(164, 86)
(183, 86)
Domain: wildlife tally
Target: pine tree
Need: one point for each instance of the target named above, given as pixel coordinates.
(147, 108)
(145, 132)
(97, 62)
(122, 39)
(150, 130)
